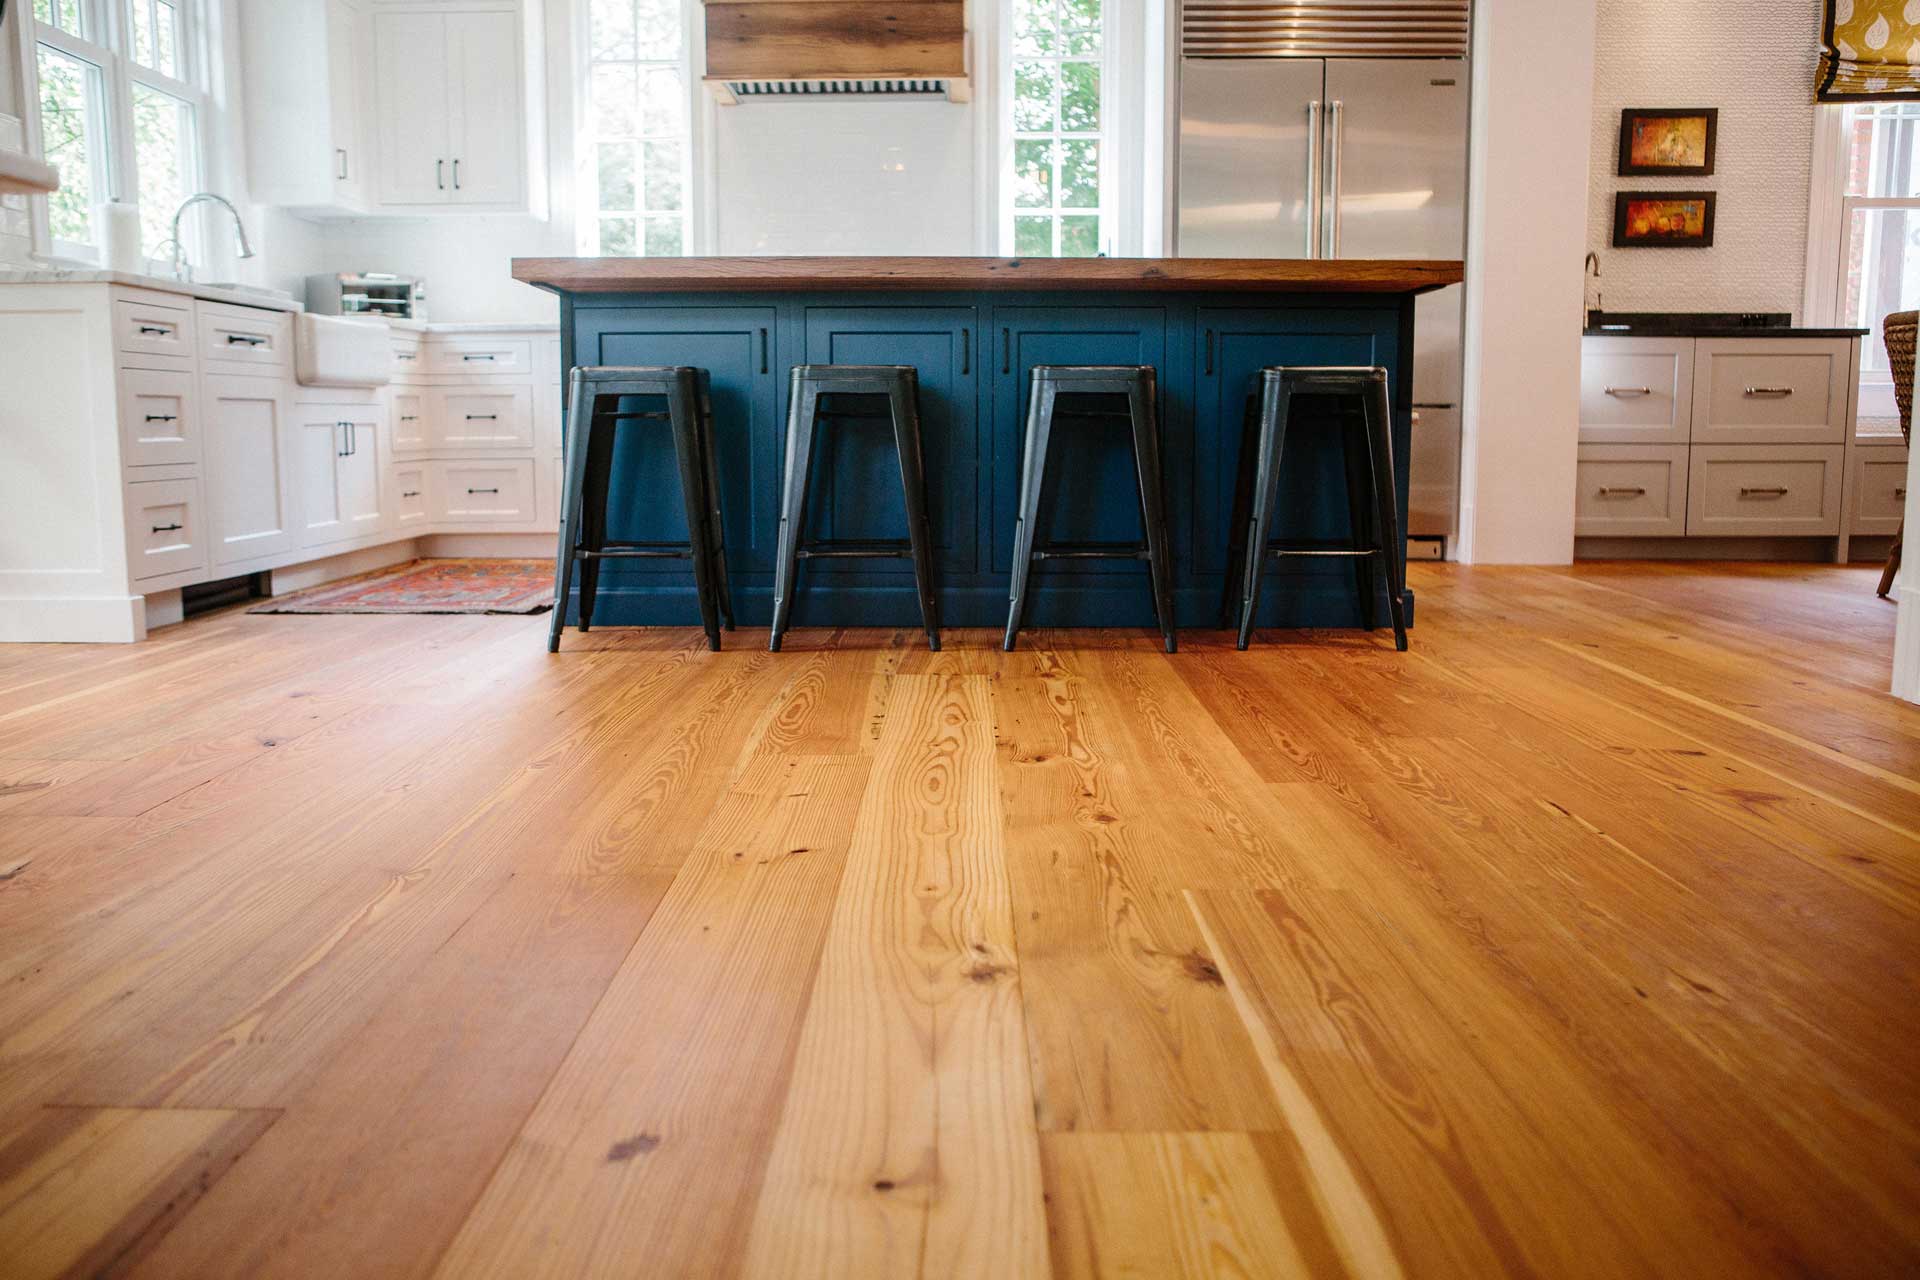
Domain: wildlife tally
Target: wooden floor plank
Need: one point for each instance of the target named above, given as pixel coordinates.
(907, 1144)
(86, 1192)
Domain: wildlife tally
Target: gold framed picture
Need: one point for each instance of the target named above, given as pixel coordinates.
(1679, 142)
(1663, 219)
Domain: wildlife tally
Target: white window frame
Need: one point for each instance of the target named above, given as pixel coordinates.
(110, 22)
(696, 168)
(1110, 107)
(1830, 211)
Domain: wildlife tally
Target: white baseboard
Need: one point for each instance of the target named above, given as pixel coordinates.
(513, 545)
(298, 577)
(164, 608)
(66, 620)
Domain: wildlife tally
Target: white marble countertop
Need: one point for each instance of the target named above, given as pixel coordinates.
(244, 297)
(476, 326)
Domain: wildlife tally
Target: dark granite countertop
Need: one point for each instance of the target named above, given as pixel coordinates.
(1705, 324)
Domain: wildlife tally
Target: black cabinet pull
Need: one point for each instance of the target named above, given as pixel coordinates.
(456, 173)
(404, 355)
(483, 491)
(1209, 353)
(242, 340)
(342, 451)
(471, 356)
(353, 439)
(161, 330)
(409, 417)
(1006, 351)
(483, 417)
(165, 528)
(410, 493)
(966, 355)
(162, 417)
(763, 351)
(440, 174)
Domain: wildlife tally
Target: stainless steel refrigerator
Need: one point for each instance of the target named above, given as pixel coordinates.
(1336, 157)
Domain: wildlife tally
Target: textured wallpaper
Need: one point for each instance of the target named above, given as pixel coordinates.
(1754, 60)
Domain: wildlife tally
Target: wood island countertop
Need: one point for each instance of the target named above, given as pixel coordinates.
(763, 275)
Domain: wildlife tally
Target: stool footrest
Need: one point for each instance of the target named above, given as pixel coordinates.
(1276, 550)
(1091, 551)
(666, 551)
(855, 549)
(623, 417)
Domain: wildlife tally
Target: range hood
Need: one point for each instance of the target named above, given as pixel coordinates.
(794, 50)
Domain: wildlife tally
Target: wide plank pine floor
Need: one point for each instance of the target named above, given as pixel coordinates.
(1583, 940)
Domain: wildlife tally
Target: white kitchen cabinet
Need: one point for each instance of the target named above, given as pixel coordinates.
(305, 63)
(411, 431)
(453, 108)
(248, 469)
(342, 476)
(164, 528)
(483, 417)
(159, 417)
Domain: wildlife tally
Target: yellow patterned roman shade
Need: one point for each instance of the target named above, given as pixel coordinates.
(1869, 51)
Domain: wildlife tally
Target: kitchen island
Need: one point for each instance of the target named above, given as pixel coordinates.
(973, 327)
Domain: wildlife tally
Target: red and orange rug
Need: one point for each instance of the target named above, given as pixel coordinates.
(430, 586)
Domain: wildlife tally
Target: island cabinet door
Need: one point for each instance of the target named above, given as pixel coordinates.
(1231, 347)
(856, 491)
(739, 349)
(1090, 483)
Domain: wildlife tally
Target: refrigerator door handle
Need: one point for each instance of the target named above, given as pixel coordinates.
(1313, 178)
(1330, 216)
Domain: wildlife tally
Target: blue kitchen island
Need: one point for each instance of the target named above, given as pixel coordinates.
(973, 327)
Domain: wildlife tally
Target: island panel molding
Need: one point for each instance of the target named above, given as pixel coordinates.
(786, 274)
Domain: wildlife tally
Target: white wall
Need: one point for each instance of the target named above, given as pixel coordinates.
(1527, 185)
(1755, 61)
(839, 176)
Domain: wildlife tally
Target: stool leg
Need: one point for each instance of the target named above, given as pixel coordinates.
(683, 415)
(1359, 459)
(1153, 504)
(1275, 400)
(1386, 509)
(802, 405)
(716, 529)
(1892, 568)
(1033, 471)
(579, 412)
(593, 516)
(1242, 503)
(903, 401)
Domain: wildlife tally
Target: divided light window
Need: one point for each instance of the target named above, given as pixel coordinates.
(1055, 191)
(122, 113)
(636, 135)
(1880, 239)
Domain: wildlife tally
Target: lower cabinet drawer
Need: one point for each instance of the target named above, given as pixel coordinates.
(165, 530)
(1777, 490)
(148, 329)
(489, 418)
(159, 417)
(1879, 485)
(498, 492)
(1631, 490)
(410, 494)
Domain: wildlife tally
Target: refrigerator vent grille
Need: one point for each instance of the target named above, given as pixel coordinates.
(1324, 28)
(831, 88)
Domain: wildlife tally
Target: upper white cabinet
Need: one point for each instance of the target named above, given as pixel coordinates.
(306, 88)
(395, 106)
(452, 108)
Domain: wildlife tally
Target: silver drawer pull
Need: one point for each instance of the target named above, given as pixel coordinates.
(1621, 491)
(1629, 391)
(472, 357)
(1764, 491)
(166, 528)
(483, 417)
(158, 330)
(1775, 392)
(162, 417)
(483, 491)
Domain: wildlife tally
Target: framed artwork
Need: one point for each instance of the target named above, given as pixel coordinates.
(1663, 219)
(1677, 142)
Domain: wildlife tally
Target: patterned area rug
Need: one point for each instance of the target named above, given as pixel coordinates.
(430, 586)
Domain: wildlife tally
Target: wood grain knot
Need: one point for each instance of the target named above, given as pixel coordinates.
(627, 1148)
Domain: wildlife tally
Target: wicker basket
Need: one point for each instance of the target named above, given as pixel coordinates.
(1900, 330)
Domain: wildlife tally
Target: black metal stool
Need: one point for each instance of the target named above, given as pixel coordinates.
(1047, 385)
(593, 417)
(900, 385)
(1372, 513)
